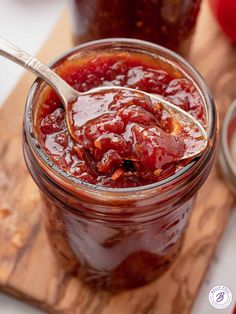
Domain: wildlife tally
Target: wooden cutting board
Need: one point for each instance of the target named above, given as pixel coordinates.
(28, 269)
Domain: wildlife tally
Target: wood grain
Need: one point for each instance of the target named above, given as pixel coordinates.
(27, 267)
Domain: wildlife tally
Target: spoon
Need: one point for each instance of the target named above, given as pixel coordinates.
(70, 96)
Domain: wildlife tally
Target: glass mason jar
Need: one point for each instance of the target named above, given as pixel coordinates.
(117, 238)
(169, 23)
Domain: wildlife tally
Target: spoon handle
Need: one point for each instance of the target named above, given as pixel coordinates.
(19, 56)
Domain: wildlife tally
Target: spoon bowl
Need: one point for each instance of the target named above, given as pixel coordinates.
(183, 121)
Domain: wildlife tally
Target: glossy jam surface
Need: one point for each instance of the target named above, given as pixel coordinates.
(123, 139)
(168, 23)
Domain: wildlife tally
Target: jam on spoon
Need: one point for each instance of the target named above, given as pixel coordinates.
(77, 115)
(122, 138)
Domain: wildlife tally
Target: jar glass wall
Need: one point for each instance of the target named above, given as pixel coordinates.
(117, 238)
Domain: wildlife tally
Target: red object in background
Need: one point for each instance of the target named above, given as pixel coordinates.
(234, 312)
(225, 13)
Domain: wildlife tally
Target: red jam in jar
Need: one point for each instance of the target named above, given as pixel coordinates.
(116, 202)
(123, 140)
(168, 23)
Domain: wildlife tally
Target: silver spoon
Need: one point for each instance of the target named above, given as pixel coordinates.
(69, 96)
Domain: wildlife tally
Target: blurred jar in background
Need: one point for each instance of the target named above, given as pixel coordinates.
(169, 23)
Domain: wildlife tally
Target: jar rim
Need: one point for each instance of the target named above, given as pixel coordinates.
(64, 178)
